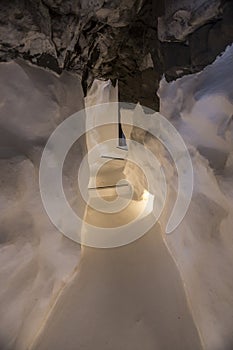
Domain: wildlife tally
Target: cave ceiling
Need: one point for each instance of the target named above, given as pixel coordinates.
(133, 41)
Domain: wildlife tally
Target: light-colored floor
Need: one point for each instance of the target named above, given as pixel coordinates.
(128, 298)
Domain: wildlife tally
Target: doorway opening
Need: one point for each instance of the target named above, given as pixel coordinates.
(122, 144)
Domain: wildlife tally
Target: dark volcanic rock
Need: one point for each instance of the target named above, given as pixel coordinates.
(194, 41)
(117, 39)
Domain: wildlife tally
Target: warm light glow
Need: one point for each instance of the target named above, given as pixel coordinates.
(145, 195)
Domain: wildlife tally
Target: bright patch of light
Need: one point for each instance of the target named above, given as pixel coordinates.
(145, 195)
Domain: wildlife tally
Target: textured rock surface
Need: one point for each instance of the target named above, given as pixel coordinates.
(182, 17)
(103, 39)
(193, 34)
(117, 39)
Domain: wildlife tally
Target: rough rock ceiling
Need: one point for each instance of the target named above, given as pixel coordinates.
(134, 41)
